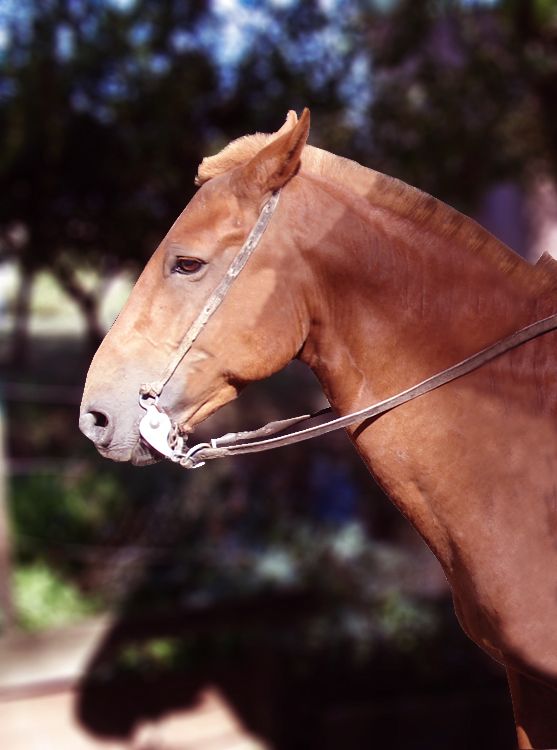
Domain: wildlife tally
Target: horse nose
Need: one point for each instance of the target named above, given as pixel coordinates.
(97, 425)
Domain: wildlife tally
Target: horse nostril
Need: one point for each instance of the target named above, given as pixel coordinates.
(101, 420)
(97, 426)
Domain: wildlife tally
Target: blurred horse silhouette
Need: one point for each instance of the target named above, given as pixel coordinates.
(375, 286)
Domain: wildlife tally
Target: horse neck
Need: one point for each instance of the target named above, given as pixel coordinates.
(395, 301)
(472, 465)
(398, 298)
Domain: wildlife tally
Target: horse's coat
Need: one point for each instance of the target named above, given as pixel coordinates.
(375, 286)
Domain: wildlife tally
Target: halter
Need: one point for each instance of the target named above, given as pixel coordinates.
(159, 431)
(156, 427)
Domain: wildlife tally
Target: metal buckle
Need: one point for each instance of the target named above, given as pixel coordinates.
(189, 457)
(155, 427)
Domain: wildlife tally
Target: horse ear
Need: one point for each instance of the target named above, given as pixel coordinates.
(290, 122)
(278, 162)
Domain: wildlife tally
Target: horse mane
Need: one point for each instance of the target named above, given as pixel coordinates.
(390, 194)
(548, 263)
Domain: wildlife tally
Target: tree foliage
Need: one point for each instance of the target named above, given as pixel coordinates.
(465, 94)
(106, 108)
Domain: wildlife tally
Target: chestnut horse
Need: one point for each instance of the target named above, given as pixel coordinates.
(375, 286)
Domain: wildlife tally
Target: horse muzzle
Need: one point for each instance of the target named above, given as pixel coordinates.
(97, 424)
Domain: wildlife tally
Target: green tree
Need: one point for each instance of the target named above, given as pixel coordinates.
(465, 94)
(102, 115)
(105, 111)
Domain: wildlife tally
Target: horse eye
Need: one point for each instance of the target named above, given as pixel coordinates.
(188, 265)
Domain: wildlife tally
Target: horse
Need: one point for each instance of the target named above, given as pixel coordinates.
(375, 286)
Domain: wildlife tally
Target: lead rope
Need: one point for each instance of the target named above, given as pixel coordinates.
(227, 445)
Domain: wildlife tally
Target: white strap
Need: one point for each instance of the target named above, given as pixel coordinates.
(152, 390)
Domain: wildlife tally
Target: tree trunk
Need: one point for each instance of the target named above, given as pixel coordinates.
(87, 302)
(19, 348)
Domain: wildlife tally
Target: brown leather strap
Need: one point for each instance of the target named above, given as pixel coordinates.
(226, 445)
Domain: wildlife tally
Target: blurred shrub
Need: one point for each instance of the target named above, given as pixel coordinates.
(49, 510)
(83, 528)
(43, 599)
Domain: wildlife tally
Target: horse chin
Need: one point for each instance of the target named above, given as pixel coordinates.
(141, 454)
(144, 455)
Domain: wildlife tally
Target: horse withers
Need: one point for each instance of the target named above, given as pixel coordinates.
(375, 286)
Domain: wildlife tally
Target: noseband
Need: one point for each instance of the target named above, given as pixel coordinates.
(160, 432)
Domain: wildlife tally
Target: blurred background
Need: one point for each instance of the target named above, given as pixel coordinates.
(275, 601)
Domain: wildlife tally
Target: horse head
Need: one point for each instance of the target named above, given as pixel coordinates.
(260, 325)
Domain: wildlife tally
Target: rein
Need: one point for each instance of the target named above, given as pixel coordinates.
(158, 430)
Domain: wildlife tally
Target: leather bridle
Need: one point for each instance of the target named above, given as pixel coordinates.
(158, 430)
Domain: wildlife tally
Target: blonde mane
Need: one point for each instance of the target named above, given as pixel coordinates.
(390, 194)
